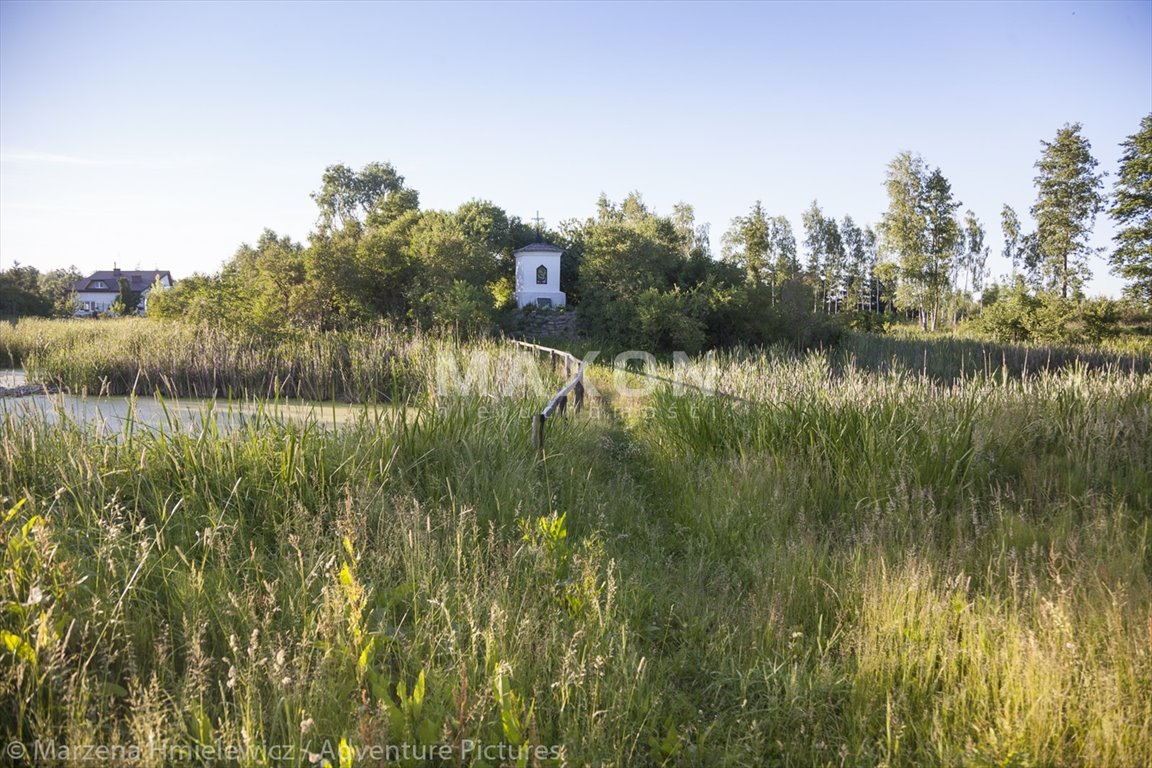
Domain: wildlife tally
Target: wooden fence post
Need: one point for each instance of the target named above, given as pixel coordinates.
(538, 420)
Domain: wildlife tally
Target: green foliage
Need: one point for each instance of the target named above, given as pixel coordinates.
(749, 246)
(670, 321)
(464, 308)
(127, 300)
(1011, 316)
(645, 284)
(503, 294)
(919, 231)
(20, 293)
(638, 278)
(376, 192)
(827, 258)
(1132, 210)
(1015, 314)
(972, 254)
(1068, 197)
(26, 292)
(628, 250)
(465, 245)
(1010, 224)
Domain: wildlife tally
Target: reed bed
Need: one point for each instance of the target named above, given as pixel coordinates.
(144, 357)
(864, 567)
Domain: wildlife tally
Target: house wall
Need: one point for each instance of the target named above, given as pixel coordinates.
(528, 290)
(88, 302)
(526, 273)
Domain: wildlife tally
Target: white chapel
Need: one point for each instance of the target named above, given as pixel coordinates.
(538, 276)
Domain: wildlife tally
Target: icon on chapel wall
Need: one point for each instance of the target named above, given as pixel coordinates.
(541, 275)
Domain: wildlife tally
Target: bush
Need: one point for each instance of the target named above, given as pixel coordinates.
(1016, 315)
(464, 307)
(667, 322)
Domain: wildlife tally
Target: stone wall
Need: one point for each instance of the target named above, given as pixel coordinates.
(541, 324)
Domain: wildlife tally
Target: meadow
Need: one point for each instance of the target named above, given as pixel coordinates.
(881, 555)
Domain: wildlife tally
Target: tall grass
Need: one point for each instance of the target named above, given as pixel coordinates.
(932, 574)
(146, 356)
(948, 357)
(861, 568)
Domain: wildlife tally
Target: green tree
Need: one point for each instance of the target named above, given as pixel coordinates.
(21, 294)
(783, 246)
(943, 235)
(694, 244)
(975, 259)
(462, 307)
(27, 291)
(487, 227)
(1010, 224)
(887, 272)
(386, 268)
(1012, 316)
(670, 321)
(856, 264)
(812, 220)
(465, 245)
(376, 191)
(919, 231)
(826, 256)
(56, 287)
(127, 300)
(694, 238)
(627, 249)
(1068, 198)
(200, 298)
(472, 245)
(903, 230)
(268, 283)
(747, 245)
(1132, 211)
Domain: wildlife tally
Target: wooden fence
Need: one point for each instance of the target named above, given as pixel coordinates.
(558, 405)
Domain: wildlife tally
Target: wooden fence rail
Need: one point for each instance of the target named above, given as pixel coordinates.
(574, 388)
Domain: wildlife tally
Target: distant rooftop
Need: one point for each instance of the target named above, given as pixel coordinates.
(108, 280)
(539, 247)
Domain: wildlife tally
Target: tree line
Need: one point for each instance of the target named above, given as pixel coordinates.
(642, 278)
(27, 292)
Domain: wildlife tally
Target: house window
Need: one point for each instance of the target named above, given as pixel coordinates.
(541, 275)
(99, 284)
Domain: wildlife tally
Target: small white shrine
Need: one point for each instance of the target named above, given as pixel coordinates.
(538, 276)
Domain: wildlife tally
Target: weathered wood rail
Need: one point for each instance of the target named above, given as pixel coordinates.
(558, 405)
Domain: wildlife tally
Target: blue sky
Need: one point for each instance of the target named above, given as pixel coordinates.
(165, 134)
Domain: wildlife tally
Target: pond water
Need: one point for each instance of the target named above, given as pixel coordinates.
(11, 377)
